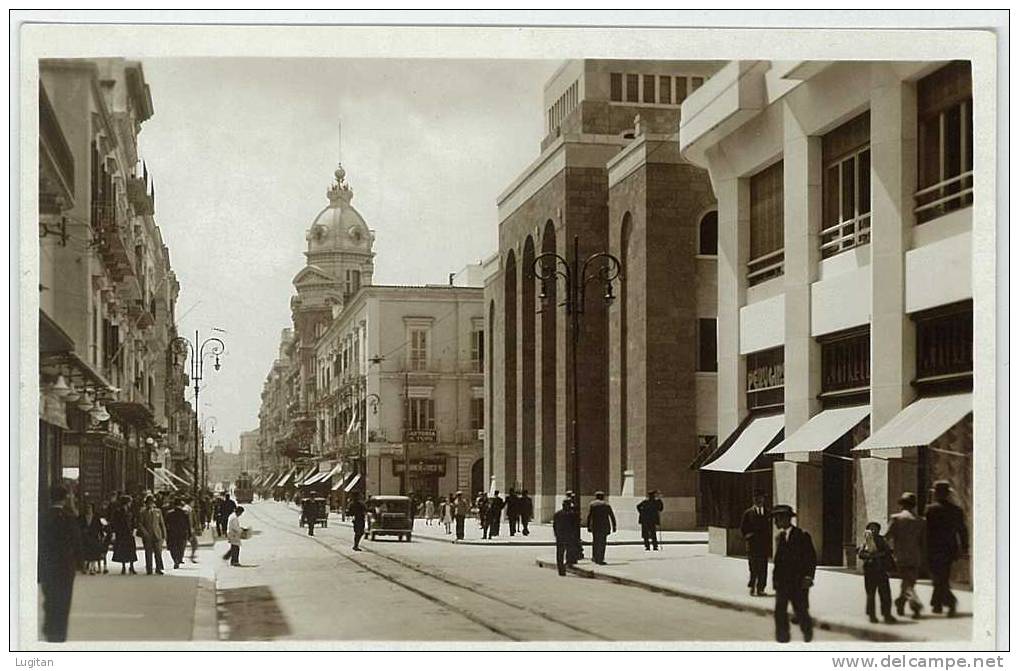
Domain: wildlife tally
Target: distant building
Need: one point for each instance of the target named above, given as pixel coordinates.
(251, 456)
(222, 467)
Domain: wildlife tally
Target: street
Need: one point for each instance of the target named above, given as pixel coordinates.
(295, 587)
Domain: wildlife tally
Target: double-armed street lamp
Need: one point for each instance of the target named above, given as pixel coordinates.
(195, 352)
(549, 267)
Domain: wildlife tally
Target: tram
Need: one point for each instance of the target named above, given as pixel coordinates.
(243, 490)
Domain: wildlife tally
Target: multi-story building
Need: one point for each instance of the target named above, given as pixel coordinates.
(845, 314)
(107, 292)
(222, 468)
(610, 178)
(251, 457)
(273, 413)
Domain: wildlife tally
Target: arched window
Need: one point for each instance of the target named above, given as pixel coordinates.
(708, 234)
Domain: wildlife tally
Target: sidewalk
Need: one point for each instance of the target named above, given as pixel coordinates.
(177, 606)
(540, 534)
(837, 599)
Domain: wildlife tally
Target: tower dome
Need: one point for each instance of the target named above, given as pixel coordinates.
(339, 227)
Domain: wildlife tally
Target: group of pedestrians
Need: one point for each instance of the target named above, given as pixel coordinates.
(911, 542)
(519, 512)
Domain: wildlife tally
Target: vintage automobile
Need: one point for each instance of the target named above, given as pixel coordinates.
(390, 516)
(316, 509)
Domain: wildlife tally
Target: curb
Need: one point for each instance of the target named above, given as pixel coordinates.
(206, 617)
(702, 596)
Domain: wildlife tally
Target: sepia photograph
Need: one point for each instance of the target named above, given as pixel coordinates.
(453, 338)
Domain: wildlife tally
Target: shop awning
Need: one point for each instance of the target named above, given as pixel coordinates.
(822, 430)
(339, 483)
(920, 423)
(315, 477)
(162, 478)
(335, 469)
(304, 476)
(283, 480)
(754, 439)
(174, 475)
(353, 481)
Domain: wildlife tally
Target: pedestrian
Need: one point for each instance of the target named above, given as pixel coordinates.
(152, 529)
(577, 553)
(756, 529)
(217, 515)
(482, 505)
(793, 575)
(93, 540)
(526, 512)
(947, 540)
(234, 533)
(495, 506)
(907, 537)
(226, 510)
(877, 562)
(358, 511)
(460, 510)
(178, 530)
(430, 511)
(601, 521)
(513, 511)
(447, 513)
(566, 526)
(649, 514)
(308, 515)
(195, 528)
(59, 557)
(122, 523)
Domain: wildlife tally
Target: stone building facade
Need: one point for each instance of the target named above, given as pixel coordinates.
(845, 298)
(606, 158)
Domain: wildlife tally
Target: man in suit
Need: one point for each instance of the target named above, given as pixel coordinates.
(649, 514)
(793, 575)
(566, 525)
(359, 511)
(526, 512)
(59, 554)
(178, 530)
(152, 529)
(947, 540)
(906, 535)
(756, 530)
(601, 521)
(495, 506)
(460, 509)
(513, 511)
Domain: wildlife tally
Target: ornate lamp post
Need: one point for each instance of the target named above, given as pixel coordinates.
(196, 351)
(549, 267)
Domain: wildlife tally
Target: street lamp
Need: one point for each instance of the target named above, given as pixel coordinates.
(549, 267)
(196, 351)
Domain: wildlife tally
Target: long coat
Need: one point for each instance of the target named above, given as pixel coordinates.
(178, 526)
(93, 538)
(907, 534)
(122, 522)
(59, 547)
(526, 508)
(795, 559)
(649, 512)
(947, 535)
(566, 525)
(756, 530)
(495, 506)
(600, 518)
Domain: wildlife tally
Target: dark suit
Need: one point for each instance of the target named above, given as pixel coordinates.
(795, 560)
(358, 511)
(947, 538)
(566, 525)
(513, 512)
(178, 531)
(526, 512)
(495, 506)
(59, 554)
(649, 514)
(601, 521)
(756, 530)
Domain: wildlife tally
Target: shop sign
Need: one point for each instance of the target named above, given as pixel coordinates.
(765, 370)
(431, 466)
(420, 435)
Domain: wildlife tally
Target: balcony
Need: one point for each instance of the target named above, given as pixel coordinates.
(110, 239)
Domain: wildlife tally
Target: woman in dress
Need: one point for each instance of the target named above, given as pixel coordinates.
(447, 512)
(429, 510)
(123, 529)
(92, 543)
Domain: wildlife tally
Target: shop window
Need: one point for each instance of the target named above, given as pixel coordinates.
(944, 141)
(766, 379)
(665, 90)
(632, 86)
(680, 90)
(944, 345)
(707, 244)
(616, 86)
(649, 88)
(846, 157)
(707, 345)
(767, 233)
(845, 363)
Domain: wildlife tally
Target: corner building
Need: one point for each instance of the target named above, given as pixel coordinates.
(611, 176)
(845, 299)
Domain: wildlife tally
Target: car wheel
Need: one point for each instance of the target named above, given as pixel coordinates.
(371, 537)
(408, 538)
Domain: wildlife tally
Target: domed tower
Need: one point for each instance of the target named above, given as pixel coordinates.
(339, 261)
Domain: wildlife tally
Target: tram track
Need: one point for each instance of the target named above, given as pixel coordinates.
(497, 614)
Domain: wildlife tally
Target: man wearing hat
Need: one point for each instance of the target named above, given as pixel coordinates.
(947, 540)
(756, 530)
(460, 509)
(793, 576)
(649, 514)
(566, 526)
(906, 533)
(601, 521)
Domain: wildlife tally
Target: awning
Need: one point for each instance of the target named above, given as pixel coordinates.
(756, 436)
(822, 430)
(334, 471)
(304, 476)
(286, 477)
(189, 474)
(920, 423)
(353, 481)
(316, 477)
(339, 483)
(162, 478)
(174, 475)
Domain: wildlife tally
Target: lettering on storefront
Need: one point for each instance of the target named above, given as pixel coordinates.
(765, 378)
(91, 470)
(430, 466)
(420, 435)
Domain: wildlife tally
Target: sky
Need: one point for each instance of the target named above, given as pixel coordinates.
(241, 152)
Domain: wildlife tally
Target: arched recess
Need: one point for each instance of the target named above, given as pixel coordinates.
(624, 379)
(510, 371)
(707, 234)
(527, 388)
(549, 315)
